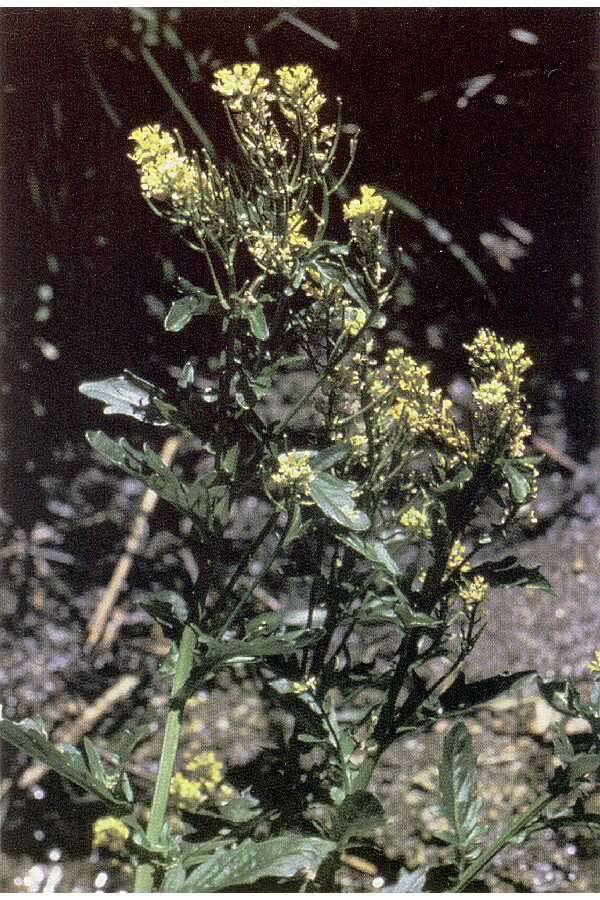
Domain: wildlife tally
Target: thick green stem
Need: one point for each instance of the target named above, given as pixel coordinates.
(517, 825)
(144, 879)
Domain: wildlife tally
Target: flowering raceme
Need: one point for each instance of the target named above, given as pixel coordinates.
(110, 834)
(294, 470)
(165, 175)
(299, 97)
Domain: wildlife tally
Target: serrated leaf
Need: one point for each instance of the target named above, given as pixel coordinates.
(127, 395)
(94, 762)
(185, 308)
(219, 653)
(458, 787)
(456, 483)
(66, 762)
(334, 498)
(279, 857)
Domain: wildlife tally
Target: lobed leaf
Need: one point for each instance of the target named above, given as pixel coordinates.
(29, 736)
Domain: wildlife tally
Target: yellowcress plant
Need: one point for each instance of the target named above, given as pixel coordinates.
(386, 508)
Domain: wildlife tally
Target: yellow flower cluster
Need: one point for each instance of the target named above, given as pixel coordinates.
(187, 794)
(456, 559)
(499, 407)
(165, 175)
(294, 470)
(304, 687)
(239, 83)
(296, 239)
(425, 412)
(354, 320)
(205, 784)
(299, 96)
(367, 210)
(475, 591)
(416, 522)
(110, 834)
(364, 216)
(594, 665)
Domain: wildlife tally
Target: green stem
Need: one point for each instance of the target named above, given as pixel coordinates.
(144, 879)
(177, 100)
(517, 825)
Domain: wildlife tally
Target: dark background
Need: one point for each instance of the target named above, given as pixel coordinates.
(80, 250)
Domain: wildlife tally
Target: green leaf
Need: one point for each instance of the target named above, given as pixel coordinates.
(146, 466)
(129, 739)
(222, 653)
(185, 308)
(519, 480)
(127, 395)
(295, 526)
(94, 762)
(357, 816)
(329, 458)
(258, 324)
(29, 736)
(334, 498)
(280, 857)
(169, 609)
(456, 483)
(508, 572)
(463, 695)
(373, 550)
(458, 786)
(408, 882)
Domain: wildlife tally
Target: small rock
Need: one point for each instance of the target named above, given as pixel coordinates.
(426, 779)
(543, 718)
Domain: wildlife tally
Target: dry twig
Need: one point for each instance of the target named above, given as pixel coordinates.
(135, 540)
(73, 732)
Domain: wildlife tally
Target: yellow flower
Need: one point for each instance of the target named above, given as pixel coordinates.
(456, 559)
(277, 253)
(499, 405)
(295, 237)
(368, 210)
(110, 834)
(299, 96)
(422, 411)
(294, 470)
(304, 687)
(475, 591)
(354, 320)
(416, 522)
(594, 666)
(240, 82)
(165, 175)
(187, 794)
(207, 769)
